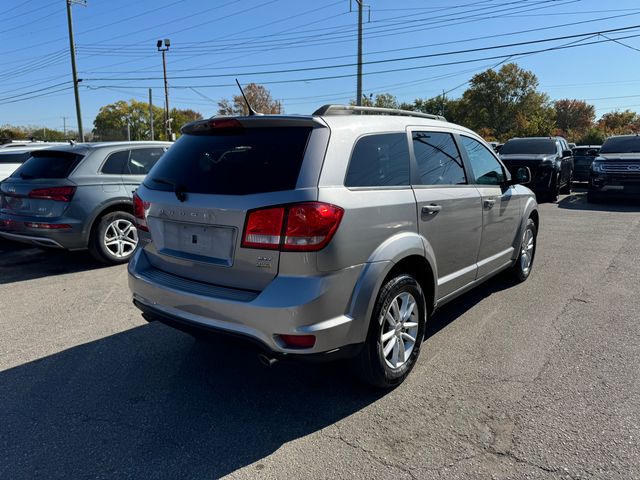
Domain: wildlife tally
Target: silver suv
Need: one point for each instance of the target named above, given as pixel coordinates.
(78, 196)
(331, 235)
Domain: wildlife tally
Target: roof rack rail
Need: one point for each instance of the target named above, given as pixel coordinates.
(353, 109)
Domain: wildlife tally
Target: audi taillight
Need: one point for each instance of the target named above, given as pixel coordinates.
(140, 208)
(302, 227)
(59, 194)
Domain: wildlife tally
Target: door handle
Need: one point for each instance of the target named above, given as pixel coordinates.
(431, 209)
(489, 203)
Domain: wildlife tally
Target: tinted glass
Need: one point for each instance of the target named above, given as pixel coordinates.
(486, 168)
(48, 164)
(14, 157)
(438, 159)
(233, 162)
(379, 161)
(621, 145)
(583, 151)
(536, 146)
(115, 163)
(141, 160)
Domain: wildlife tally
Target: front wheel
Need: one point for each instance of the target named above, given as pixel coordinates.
(114, 238)
(567, 188)
(524, 263)
(554, 188)
(395, 333)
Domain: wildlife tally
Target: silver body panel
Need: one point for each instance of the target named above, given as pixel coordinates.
(330, 293)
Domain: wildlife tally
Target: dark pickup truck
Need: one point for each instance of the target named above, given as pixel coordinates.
(548, 158)
(616, 171)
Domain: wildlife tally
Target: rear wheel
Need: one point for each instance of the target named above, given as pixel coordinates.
(395, 333)
(567, 188)
(524, 263)
(114, 238)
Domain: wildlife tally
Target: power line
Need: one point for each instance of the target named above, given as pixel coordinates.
(374, 62)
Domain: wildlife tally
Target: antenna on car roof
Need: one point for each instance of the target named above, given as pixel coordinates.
(251, 110)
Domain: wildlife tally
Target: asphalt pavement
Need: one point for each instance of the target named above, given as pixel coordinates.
(539, 380)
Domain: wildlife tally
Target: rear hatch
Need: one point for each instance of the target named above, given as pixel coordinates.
(40, 187)
(198, 196)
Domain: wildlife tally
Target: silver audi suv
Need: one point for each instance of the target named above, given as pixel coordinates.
(333, 235)
(78, 196)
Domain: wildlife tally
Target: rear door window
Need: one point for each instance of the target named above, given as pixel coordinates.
(114, 165)
(48, 164)
(379, 161)
(438, 159)
(238, 161)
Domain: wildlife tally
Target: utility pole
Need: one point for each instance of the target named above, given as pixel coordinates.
(72, 49)
(151, 115)
(359, 75)
(167, 122)
(64, 126)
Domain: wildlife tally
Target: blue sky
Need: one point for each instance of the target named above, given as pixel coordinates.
(214, 41)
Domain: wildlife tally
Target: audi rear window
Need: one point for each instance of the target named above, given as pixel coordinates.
(48, 164)
(232, 161)
(621, 145)
(535, 146)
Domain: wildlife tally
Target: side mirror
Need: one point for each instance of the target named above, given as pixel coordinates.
(567, 153)
(523, 176)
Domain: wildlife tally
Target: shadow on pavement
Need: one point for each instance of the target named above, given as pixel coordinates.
(578, 201)
(457, 307)
(19, 262)
(153, 403)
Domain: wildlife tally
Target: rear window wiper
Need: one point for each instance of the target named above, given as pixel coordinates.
(179, 190)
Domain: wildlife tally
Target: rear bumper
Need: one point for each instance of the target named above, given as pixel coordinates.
(288, 305)
(15, 228)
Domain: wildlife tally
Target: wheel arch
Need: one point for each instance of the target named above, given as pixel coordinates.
(116, 206)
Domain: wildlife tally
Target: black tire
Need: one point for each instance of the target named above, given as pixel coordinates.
(554, 189)
(109, 253)
(371, 364)
(567, 188)
(518, 271)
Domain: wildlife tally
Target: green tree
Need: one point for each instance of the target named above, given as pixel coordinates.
(619, 123)
(381, 100)
(119, 120)
(257, 95)
(593, 136)
(574, 117)
(507, 103)
(449, 108)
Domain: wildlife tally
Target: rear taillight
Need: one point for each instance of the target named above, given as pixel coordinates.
(264, 229)
(59, 194)
(140, 209)
(305, 227)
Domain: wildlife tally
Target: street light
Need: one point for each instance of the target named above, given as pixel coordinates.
(163, 49)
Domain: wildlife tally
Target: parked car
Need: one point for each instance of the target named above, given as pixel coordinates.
(549, 159)
(325, 236)
(616, 171)
(583, 156)
(77, 197)
(496, 146)
(12, 158)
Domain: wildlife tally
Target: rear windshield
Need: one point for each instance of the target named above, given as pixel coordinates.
(232, 162)
(584, 151)
(536, 146)
(48, 164)
(14, 157)
(621, 145)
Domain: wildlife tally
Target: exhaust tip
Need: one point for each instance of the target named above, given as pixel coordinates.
(267, 361)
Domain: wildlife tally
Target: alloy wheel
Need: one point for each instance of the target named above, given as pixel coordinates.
(526, 251)
(120, 238)
(400, 329)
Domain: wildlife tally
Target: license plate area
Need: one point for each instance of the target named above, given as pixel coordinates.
(202, 243)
